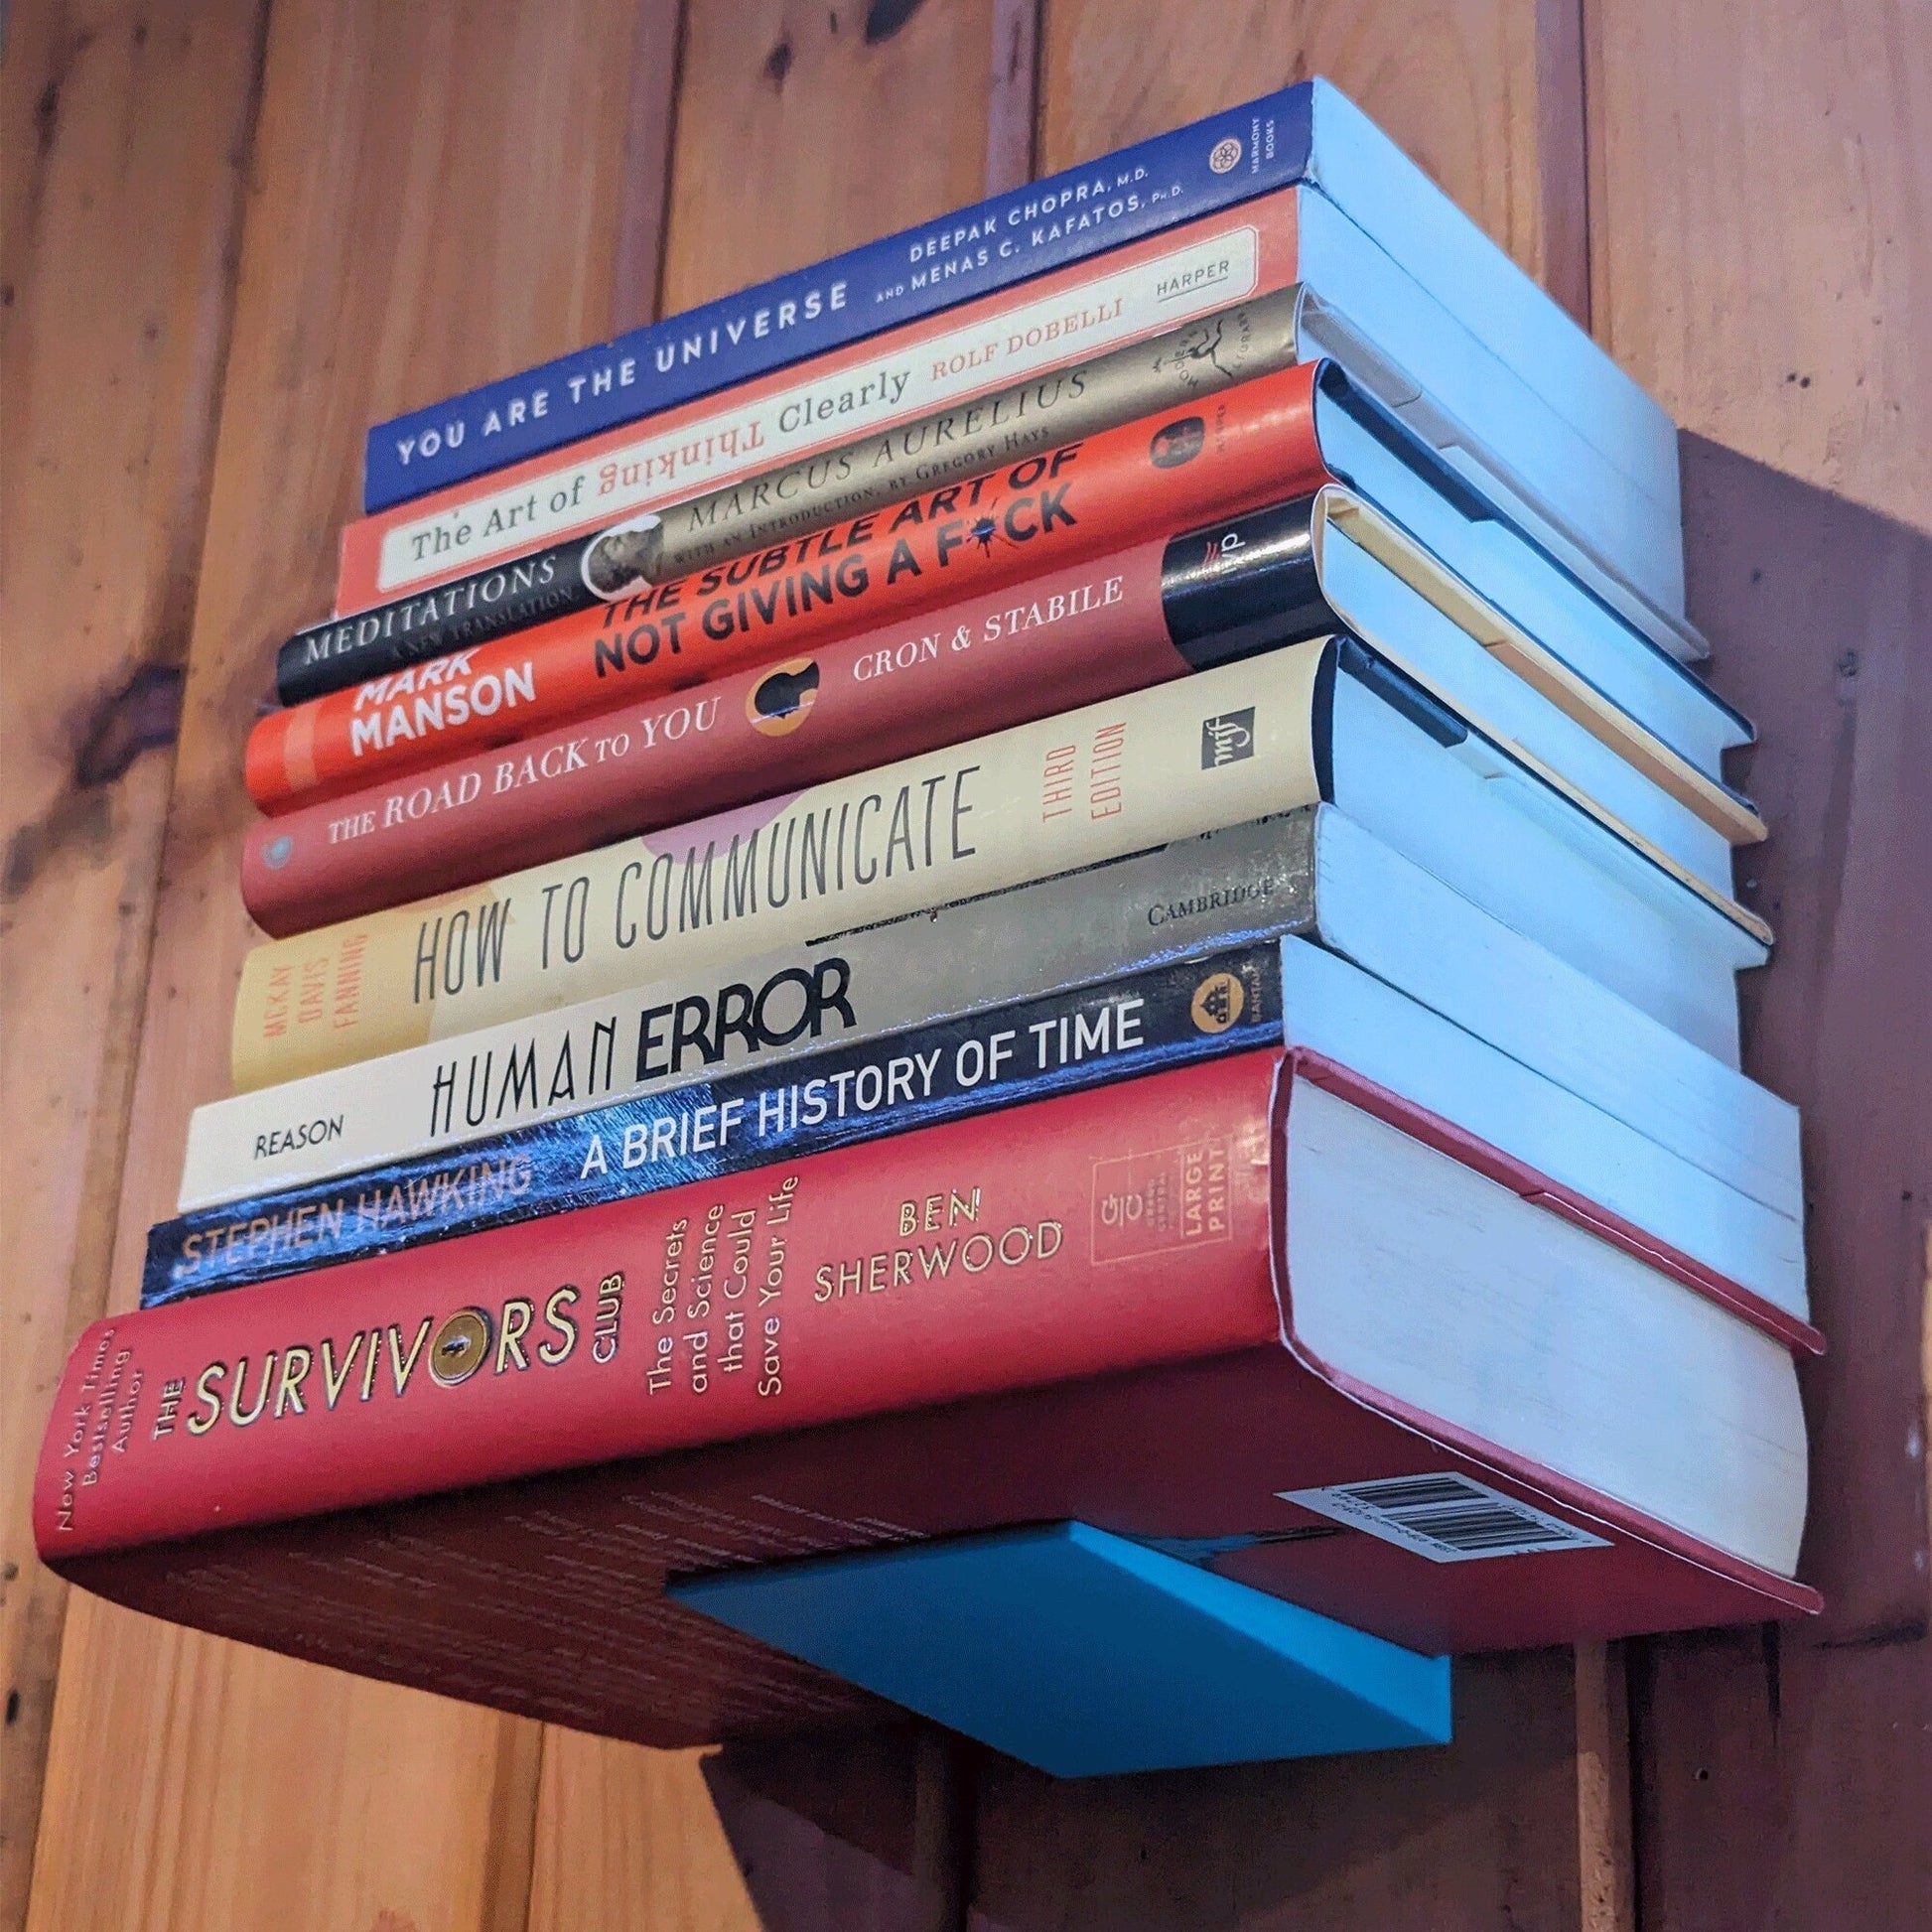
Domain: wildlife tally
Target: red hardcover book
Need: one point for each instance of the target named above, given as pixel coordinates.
(1244, 446)
(455, 1467)
(1072, 637)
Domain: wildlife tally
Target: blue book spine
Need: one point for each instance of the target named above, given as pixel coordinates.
(1171, 1015)
(1214, 164)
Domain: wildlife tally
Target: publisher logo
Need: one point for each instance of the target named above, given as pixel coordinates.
(1170, 1198)
(1178, 442)
(1224, 156)
(1228, 738)
(278, 852)
(1219, 1001)
(780, 700)
(461, 1346)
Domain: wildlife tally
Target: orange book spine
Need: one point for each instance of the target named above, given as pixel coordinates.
(1246, 446)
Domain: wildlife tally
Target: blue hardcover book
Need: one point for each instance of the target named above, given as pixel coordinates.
(1085, 1654)
(1309, 135)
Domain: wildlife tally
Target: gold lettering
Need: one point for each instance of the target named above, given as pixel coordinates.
(205, 1392)
(295, 1371)
(400, 1371)
(509, 1340)
(333, 1381)
(553, 1354)
(240, 1382)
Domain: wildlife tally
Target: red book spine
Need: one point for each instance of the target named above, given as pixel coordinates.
(1251, 445)
(1154, 1385)
(729, 432)
(1070, 638)
(946, 1264)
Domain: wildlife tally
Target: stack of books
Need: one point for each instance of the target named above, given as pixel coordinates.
(1049, 902)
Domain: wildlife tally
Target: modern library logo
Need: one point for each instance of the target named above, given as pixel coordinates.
(1227, 739)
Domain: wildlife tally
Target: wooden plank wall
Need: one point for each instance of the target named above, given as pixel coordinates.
(236, 232)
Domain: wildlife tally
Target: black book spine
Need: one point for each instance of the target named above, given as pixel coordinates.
(809, 492)
(1247, 585)
(488, 603)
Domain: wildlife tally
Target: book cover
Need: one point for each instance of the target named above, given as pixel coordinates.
(1355, 176)
(1056, 1043)
(1068, 637)
(993, 430)
(1094, 1331)
(1468, 405)
(1039, 798)
(1130, 619)
(1158, 184)
(1692, 1175)
(1245, 448)
(1146, 289)
(1311, 873)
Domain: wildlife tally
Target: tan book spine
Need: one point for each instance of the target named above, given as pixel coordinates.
(1070, 790)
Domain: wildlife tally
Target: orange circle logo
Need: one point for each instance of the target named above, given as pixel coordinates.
(1219, 1001)
(782, 697)
(461, 1346)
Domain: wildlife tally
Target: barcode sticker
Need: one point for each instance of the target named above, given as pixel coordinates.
(1446, 1518)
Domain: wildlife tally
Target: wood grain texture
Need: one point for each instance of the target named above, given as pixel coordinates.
(1759, 186)
(413, 223)
(850, 1831)
(1484, 94)
(196, 1784)
(1822, 613)
(1479, 1833)
(1752, 242)
(815, 1835)
(805, 128)
(1607, 1880)
(1761, 198)
(1013, 96)
(630, 1836)
(1785, 1787)
(801, 131)
(118, 243)
(1822, 1738)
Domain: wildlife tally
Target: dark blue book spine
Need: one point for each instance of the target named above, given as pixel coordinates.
(1171, 1015)
(1140, 190)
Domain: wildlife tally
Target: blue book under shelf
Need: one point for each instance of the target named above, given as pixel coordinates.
(1085, 1654)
